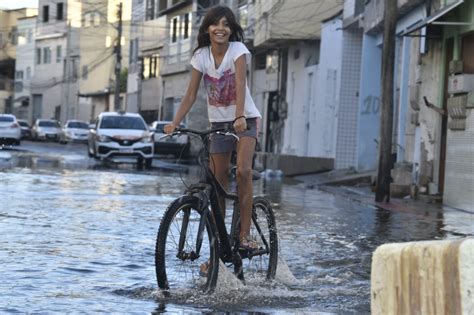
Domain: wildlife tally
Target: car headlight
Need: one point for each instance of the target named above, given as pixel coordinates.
(147, 139)
(102, 138)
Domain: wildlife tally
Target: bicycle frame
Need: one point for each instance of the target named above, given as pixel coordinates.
(208, 190)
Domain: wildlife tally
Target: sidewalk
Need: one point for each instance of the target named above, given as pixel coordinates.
(358, 187)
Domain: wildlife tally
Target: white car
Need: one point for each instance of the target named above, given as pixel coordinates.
(10, 131)
(178, 146)
(75, 131)
(121, 136)
(46, 129)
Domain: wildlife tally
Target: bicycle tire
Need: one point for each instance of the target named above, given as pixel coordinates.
(172, 272)
(264, 260)
(269, 230)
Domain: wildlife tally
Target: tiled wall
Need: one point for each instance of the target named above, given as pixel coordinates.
(346, 148)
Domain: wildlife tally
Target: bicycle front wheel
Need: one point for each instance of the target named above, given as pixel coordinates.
(186, 253)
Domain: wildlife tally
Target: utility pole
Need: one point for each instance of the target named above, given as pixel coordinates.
(382, 192)
(118, 59)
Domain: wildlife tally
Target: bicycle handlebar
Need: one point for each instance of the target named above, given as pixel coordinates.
(203, 133)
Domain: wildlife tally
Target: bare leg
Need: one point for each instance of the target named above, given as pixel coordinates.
(245, 151)
(219, 165)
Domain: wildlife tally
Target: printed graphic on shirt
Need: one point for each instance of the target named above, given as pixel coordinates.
(221, 91)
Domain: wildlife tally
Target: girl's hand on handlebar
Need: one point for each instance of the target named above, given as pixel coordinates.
(240, 124)
(169, 128)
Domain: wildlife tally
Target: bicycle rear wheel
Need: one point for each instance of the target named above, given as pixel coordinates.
(262, 262)
(186, 240)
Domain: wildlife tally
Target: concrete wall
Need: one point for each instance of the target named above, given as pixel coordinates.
(369, 105)
(325, 111)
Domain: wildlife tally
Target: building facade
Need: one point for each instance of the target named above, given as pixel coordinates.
(9, 36)
(55, 75)
(24, 68)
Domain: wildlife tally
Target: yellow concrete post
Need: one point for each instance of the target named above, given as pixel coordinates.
(429, 277)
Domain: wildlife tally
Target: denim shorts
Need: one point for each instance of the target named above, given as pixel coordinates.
(226, 144)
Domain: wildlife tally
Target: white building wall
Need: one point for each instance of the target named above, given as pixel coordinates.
(25, 62)
(48, 77)
(301, 86)
(323, 132)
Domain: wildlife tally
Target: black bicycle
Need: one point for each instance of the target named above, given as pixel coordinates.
(193, 233)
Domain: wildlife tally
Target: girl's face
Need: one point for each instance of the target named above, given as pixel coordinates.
(219, 32)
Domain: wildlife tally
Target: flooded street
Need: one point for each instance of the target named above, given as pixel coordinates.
(79, 236)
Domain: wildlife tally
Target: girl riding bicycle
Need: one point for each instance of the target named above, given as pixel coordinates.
(221, 59)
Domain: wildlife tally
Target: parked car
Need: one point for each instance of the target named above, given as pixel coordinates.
(121, 136)
(10, 131)
(178, 146)
(75, 131)
(46, 129)
(25, 129)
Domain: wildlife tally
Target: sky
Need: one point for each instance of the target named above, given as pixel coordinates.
(15, 4)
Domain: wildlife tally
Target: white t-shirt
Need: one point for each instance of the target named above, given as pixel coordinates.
(220, 83)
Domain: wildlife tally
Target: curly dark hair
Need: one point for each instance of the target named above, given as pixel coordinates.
(212, 17)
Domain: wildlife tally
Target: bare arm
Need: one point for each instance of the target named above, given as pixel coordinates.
(240, 85)
(187, 101)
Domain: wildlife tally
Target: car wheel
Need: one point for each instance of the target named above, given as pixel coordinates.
(148, 163)
(140, 163)
(18, 142)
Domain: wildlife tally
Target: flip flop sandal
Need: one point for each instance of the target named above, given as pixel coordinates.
(248, 244)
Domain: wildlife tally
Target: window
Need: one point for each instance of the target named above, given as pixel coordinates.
(38, 56)
(85, 71)
(14, 35)
(45, 13)
(174, 29)
(108, 41)
(162, 5)
(150, 10)
(29, 35)
(87, 19)
(96, 19)
(18, 86)
(150, 67)
(19, 75)
(58, 53)
(59, 11)
(46, 55)
(187, 26)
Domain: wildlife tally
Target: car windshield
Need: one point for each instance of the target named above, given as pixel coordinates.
(78, 124)
(6, 118)
(122, 122)
(54, 124)
(23, 123)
